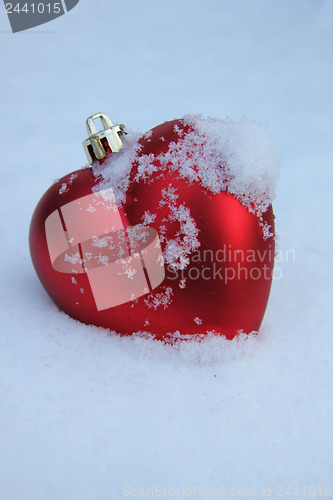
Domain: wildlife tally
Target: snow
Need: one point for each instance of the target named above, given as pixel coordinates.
(115, 175)
(229, 155)
(177, 250)
(93, 416)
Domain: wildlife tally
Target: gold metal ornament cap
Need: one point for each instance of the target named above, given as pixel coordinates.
(101, 142)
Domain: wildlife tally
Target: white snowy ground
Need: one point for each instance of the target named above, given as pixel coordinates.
(86, 415)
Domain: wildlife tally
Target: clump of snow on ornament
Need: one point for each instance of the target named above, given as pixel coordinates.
(154, 300)
(178, 249)
(236, 156)
(115, 171)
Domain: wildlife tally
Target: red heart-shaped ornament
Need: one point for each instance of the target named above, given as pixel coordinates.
(171, 233)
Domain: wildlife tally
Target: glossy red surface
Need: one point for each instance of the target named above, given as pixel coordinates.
(227, 282)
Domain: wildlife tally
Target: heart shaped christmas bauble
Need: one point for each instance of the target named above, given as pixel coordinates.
(170, 233)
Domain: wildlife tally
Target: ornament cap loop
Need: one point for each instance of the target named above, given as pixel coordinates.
(104, 141)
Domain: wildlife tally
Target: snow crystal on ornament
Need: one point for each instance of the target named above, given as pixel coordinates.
(103, 260)
(63, 188)
(148, 218)
(164, 299)
(72, 259)
(182, 283)
(65, 185)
